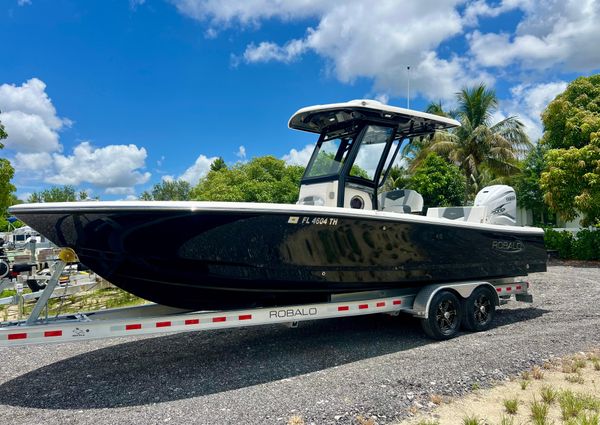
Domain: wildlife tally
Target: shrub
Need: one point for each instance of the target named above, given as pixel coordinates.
(560, 241)
(584, 246)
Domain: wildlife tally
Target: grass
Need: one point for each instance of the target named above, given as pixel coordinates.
(426, 422)
(524, 385)
(98, 299)
(575, 378)
(475, 386)
(537, 373)
(548, 394)
(525, 375)
(436, 399)
(507, 420)
(295, 420)
(539, 412)
(471, 420)
(511, 405)
(571, 405)
(596, 365)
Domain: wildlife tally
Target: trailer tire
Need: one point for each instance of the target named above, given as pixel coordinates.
(479, 310)
(445, 315)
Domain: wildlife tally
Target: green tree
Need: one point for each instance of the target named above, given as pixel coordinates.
(218, 164)
(483, 151)
(440, 183)
(7, 172)
(397, 178)
(571, 181)
(262, 179)
(168, 190)
(54, 194)
(527, 185)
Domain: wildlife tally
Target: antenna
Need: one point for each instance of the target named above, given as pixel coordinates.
(408, 87)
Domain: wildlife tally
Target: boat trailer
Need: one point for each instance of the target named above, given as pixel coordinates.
(441, 307)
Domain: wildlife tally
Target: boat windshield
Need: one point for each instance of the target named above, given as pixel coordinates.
(330, 155)
(372, 147)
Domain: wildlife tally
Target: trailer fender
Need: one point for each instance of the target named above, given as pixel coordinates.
(463, 290)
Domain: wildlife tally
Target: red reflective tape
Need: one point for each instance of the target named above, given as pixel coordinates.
(499, 289)
(508, 288)
(219, 319)
(245, 317)
(52, 333)
(133, 326)
(17, 336)
(343, 308)
(363, 306)
(381, 304)
(397, 302)
(163, 324)
(518, 287)
(192, 321)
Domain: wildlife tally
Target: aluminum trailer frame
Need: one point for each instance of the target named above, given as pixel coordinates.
(153, 319)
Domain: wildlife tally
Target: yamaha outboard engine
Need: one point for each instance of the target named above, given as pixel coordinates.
(501, 203)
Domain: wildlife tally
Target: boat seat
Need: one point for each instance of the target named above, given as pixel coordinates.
(401, 201)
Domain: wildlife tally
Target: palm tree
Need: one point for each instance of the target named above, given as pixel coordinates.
(484, 152)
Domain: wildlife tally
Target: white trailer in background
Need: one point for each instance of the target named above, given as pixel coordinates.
(442, 308)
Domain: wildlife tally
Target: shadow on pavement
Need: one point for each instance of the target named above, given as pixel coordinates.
(186, 365)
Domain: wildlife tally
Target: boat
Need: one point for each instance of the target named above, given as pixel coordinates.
(346, 234)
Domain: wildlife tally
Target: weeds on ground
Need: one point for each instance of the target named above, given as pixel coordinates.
(436, 399)
(539, 412)
(525, 375)
(579, 362)
(524, 385)
(548, 394)
(596, 365)
(575, 378)
(537, 373)
(295, 420)
(475, 386)
(360, 420)
(471, 420)
(426, 422)
(511, 405)
(507, 420)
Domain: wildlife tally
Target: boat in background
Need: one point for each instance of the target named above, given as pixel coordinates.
(346, 234)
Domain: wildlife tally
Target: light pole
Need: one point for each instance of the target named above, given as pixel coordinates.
(408, 87)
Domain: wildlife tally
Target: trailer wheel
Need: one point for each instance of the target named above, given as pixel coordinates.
(479, 310)
(444, 316)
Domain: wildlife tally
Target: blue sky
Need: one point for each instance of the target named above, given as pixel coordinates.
(113, 96)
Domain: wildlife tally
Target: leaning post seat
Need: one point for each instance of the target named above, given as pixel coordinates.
(401, 200)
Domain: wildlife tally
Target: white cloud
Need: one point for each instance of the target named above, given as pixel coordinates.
(200, 168)
(528, 101)
(376, 40)
(299, 157)
(267, 51)
(552, 33)
(241, 153)
(30, 118)
(23, 2)
(113, 166)
(120, 190)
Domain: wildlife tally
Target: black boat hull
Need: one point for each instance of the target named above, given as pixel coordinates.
(204, 259)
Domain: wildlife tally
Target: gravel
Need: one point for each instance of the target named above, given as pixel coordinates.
(327, 372)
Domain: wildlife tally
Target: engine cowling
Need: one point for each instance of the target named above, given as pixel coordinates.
(500, 202)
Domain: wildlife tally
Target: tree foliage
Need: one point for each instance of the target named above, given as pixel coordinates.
(571, 181)
(218, 164)
(171, 190)
(7, 172)
(54, 194)
(262, 179)
(440, 183)
(483, 151)
(527, 185)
